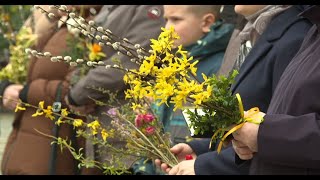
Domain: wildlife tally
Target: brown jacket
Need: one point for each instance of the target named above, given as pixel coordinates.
(27, 151)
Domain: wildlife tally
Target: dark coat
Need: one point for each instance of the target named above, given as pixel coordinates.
(288, 139)
(257, 79)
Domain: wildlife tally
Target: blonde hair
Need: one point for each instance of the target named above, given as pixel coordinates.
(200, 10)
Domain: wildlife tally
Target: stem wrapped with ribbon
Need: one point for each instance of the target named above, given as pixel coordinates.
(253, 116)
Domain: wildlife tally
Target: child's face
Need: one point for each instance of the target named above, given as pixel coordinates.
(186, 24)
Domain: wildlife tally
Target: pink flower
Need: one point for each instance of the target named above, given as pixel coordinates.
(112, 111)
(150, 130)
(148, 118)
(139, 120)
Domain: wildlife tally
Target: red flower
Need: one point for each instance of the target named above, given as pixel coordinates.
(148, 118)
(139, 120)
(150, 130)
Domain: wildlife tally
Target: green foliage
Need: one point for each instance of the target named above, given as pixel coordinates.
(76, 48)
(16, 70)
(12, 18)
(222, 109)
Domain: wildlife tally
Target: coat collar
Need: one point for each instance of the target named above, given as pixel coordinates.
(281, 23)
(313, 14)
(274, 31)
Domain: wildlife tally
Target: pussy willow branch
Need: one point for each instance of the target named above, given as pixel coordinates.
(108, 34)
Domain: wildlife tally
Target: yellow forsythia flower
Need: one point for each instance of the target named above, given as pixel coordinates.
(104, 134)
(19, 108)
(77, 122)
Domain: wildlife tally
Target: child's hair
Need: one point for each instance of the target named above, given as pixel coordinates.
(204, 9)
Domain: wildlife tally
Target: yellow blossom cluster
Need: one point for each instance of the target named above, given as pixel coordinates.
(173, 75)
(63, 117)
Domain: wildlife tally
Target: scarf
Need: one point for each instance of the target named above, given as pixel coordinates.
(258, 21)
(255, 26)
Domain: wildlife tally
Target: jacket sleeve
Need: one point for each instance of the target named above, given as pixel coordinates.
(290, 140)
(112, 79)
(212, 163)
(43, 90)
(199, 146)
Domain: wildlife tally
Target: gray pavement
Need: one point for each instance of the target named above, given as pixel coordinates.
(5, 128)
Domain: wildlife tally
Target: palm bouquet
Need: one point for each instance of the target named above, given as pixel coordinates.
(164, 72)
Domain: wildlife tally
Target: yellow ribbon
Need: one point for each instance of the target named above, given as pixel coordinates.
(253, 115)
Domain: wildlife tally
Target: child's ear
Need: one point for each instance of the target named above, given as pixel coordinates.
(207, 21)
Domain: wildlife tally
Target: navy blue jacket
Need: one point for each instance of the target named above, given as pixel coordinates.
(256, 82)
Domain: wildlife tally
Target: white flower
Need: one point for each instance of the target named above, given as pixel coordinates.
(79, 60)
(63, 7)
(108, 30)
(72, 15)
(100, 29)
(98, 37)
(67, 58)
(51, 15)
(34, 52)
(47, 54)
(115, 46)
(89, 63)
(100, 63)
(137, 46)
(84, 26)
(73, 64)
(54, 59)
(28, 50)
(104, 37)
(91, 23)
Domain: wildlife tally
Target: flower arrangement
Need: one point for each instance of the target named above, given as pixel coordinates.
(16, 70)
(163, 73)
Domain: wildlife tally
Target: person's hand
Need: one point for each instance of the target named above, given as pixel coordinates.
(245, 141)
(11, 96)
(185, 167)
(180, 150)
(83, 110)
(243, 151)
